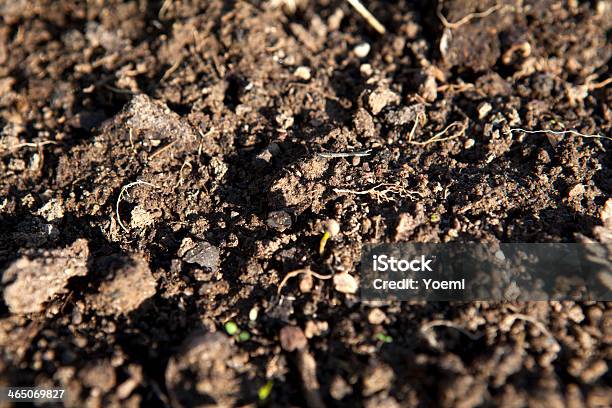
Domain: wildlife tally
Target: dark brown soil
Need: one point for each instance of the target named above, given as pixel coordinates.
(217, 111)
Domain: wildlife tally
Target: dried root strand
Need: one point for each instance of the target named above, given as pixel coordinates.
(299, 272)
(438, 137)
(124, 192)
(466, 19)
(560, 133)
(381, 192)
(427, 333)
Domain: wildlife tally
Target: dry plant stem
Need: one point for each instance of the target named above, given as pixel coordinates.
(330, 155)
(425, 331)
(467, 18)
(560, 133)
(124, 191)
(365, 13)
(298, 272)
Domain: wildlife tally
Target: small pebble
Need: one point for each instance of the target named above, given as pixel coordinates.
(303, 73)
(362, 50)
(333, 227)
(469, 143)
(376, 316)
(366, 70)
(483, 109)
(345, 283)
(253, 313)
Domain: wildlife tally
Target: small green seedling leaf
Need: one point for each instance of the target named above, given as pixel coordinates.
(384, 338)
(231, 328)
(435, 218)
(323, 242)
(264, 391)
(244, 336)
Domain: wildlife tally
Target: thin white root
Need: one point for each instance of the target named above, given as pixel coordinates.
(508, 321)
(466, 19)
(560, 133)
(298, 272)
(426, 331)
(331, 155)
(381, 192)
(124, 192)
(438, 136)
(369, 17)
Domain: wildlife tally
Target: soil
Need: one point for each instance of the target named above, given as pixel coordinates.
(161, 173)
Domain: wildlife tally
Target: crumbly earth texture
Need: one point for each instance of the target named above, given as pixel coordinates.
(161, 161)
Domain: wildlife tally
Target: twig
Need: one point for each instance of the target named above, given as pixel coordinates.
(431, 339)
(329, 155)
(162, 149)
(124, 191)
(298, 272)
(365, 13)
(560, 133)
(468, 17)
(438, 136)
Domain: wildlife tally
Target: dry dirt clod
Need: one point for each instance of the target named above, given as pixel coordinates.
(377, 378)
(31, 282)
(292, 338)
(204, 372)
(130, 285)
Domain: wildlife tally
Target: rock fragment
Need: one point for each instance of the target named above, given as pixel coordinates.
(201, 253)
(279, 220)
(31, 282)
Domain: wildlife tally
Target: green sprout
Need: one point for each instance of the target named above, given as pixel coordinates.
(244, 336)
(385, 338)
(435, 217)
(231, 328)
(265, 390)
